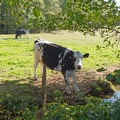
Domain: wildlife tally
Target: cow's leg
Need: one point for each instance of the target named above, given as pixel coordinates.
(20, 35)
(67, 86)
(16, 36)
(67, 82)
(28, 35)
(74, 82)
(35, 67)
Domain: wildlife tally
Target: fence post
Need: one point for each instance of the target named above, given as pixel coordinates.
(44, 96)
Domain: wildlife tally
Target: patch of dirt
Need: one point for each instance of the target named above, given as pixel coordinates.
(84, 81)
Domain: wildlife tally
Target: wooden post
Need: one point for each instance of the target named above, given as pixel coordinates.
(44, 97)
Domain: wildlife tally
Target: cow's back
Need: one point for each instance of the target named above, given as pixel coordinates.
(48, 53)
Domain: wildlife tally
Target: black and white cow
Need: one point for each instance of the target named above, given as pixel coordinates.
(58, 58)
(20, 32)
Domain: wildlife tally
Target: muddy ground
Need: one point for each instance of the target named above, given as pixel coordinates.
(84, 81)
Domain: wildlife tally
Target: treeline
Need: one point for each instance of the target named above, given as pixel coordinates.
(15, 14)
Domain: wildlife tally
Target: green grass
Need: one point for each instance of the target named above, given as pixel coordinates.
(19, 96)
(16, 56)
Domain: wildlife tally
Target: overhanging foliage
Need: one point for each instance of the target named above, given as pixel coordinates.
(86, 16)
(89, 17)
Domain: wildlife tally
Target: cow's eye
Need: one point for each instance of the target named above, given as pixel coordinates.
(73, 58)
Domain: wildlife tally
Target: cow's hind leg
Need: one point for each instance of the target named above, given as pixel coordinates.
(16, 36)
(35, 67)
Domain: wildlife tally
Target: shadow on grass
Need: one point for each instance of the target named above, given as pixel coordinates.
(17, 97)
(15, 38)
(22, 97)
(7, 38)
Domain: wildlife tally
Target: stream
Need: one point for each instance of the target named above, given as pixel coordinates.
(114, 97)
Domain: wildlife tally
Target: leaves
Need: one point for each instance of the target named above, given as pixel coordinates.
(85, 16)
(118, 79)
(95, 109)
(36, 11)
(117, 71)
(109, 77)
(114, 77)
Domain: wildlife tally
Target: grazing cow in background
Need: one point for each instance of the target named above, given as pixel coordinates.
(58, 58)
(21, 32)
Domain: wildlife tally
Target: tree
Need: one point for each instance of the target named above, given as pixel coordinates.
(27, 13)
(89, 17)
(16, 13)
(86, 16)
(5, 18)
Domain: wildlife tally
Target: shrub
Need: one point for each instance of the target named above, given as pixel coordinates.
(114, 76)
(101, 87)
(95, 109)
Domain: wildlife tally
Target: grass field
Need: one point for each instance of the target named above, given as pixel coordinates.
(16, 55)
(19, 97)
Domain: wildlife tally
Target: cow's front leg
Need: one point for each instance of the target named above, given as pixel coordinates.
(67, 83)
(74, 82)
(68, 87)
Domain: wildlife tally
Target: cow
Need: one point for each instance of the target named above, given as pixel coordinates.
(20, 32)
(58, 58)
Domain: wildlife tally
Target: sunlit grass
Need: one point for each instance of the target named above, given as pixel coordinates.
(16, 55)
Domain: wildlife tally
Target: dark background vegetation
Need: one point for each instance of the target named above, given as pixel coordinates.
(16, 14)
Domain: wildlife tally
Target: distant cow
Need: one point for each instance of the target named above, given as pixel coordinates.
(58, 58)
(21, 32)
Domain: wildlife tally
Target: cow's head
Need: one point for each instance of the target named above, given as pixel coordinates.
(78, 59)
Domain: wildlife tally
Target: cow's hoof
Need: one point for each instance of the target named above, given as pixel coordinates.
(78, 90)
(68, 93)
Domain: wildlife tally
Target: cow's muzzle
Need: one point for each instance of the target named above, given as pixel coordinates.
(79, 67)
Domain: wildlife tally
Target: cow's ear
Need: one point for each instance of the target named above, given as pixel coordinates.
(86, 55)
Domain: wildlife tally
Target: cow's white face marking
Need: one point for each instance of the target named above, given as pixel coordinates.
(78, 62)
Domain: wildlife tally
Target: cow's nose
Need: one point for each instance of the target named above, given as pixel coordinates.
(79, 67)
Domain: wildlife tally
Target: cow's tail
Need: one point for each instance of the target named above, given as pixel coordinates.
(36, 41)
(36, 47)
